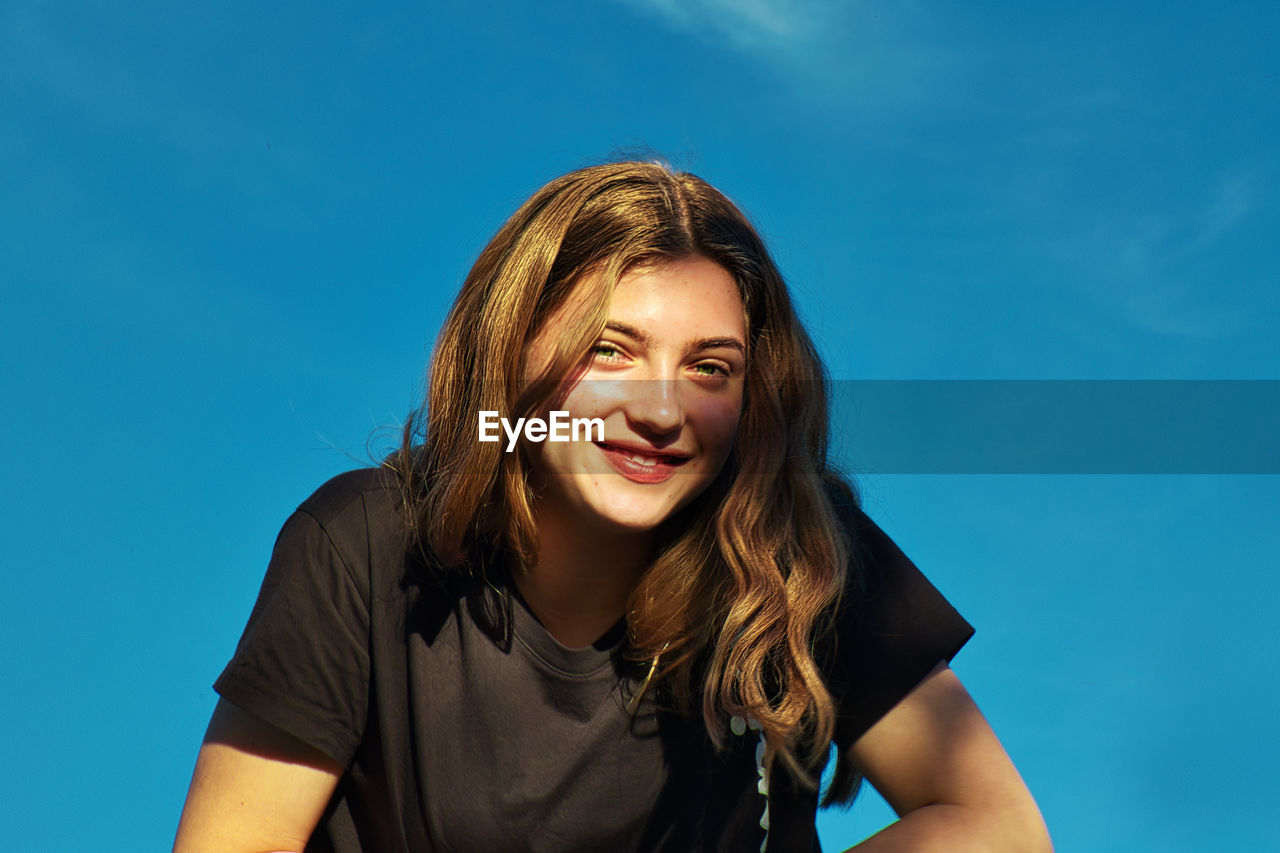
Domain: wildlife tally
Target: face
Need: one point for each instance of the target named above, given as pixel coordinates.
(666, 378)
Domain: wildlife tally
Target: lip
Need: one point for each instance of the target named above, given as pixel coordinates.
(622, 458)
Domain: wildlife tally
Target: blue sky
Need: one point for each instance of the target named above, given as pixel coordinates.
(228, 234)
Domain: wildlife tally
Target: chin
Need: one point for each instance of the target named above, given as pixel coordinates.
(631, 518)
(622, 506)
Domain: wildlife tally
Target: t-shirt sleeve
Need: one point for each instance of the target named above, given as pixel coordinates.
(892, 628)
(302, 663)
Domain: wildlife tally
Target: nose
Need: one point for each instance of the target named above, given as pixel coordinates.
(654, 406)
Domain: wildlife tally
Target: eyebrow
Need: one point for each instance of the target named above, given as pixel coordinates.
(704, 344)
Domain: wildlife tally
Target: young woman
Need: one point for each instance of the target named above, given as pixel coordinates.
(646, 637)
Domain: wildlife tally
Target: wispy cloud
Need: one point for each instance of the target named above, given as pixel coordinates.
(747, 24)
(1232, 200)
(1146, 260)
(884, 55)
(107, 90)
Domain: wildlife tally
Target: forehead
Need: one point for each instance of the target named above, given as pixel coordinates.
(691, 294)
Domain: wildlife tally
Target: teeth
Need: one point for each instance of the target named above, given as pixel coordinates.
(643, 460)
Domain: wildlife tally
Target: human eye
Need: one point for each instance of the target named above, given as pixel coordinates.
(606, 352)
(711, 370)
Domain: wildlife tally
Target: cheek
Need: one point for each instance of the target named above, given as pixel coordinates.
(718, 425)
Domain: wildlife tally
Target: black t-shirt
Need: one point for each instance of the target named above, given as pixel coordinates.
(457, 740)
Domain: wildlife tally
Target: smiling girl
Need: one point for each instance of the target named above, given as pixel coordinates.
(646, 641)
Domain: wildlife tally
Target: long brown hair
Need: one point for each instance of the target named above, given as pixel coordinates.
(744, 582)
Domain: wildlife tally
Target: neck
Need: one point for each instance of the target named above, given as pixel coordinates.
(584, 575)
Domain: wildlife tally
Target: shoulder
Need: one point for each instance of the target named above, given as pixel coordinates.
(304, 660)
(358, 507)
(352, 524)
(364, 487)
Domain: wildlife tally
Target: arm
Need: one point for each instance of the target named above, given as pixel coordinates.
(255, 788)
(938, 763)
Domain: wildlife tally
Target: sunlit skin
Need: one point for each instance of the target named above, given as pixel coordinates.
(666, 378)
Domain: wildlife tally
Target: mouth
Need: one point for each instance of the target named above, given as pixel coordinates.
(641, 466)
